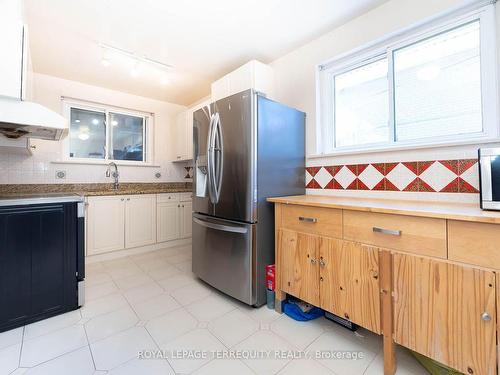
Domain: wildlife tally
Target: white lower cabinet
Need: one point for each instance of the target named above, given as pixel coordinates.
(121, 222)
(105, 224)
(140, 220)
(167, 221)
(186, 220)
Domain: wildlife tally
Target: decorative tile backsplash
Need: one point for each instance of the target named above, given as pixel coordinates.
(445, 176)
(189, 172)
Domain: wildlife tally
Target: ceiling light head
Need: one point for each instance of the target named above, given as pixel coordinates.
(83, 136)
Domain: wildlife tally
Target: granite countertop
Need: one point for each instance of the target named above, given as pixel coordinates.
(14, 190)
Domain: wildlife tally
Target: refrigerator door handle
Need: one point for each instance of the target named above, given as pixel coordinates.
(210, 161)
(225, 228)
(219, 148)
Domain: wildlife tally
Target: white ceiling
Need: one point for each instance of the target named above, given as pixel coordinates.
(202, 39)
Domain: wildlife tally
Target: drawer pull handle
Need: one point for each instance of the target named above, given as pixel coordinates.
(322, 263)
(313, 261)
(391, 232)
(486, 317)
(308, 219)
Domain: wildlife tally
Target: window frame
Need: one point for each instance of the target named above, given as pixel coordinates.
(147, 132)
(385, 48)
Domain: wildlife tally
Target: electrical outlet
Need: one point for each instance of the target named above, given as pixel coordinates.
(61, 175)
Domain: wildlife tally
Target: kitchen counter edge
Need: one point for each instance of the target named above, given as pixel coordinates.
(441, 210)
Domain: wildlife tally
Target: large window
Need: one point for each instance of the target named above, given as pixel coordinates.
(107, 133)
(432, 85)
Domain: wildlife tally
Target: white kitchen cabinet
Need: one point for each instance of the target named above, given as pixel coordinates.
(182, 140)
(186, 220)
(140, 220)
(167, 221)
(105, 224)
(252, 75)
(15, 59)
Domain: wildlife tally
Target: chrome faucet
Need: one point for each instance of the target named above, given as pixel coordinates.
(115, 175)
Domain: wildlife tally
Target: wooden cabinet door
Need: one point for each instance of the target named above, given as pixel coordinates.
(349, 285)
(299, 265)
(140, 220)
(167, 221)
(446, 311)
(186, 219)
(105, 224)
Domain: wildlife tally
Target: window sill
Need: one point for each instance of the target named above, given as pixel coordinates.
(404, 147)
(106, 162)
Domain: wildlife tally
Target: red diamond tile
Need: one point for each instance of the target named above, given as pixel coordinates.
(330, 185)
(452, 187)
(361, 185)
(361, 168)
(313, 170)
(412, 186)
(332, 169)
(465, 187)
(422, 166)
(465, 164)
(452, 165)
(380, 185)
(353, 168)
(353, 185)
(313, 184)
(389, 186)
(424, 186)
(389, 167)
(379, 167)
(411, 165)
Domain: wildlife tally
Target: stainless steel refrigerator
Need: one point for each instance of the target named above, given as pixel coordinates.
(246, 148)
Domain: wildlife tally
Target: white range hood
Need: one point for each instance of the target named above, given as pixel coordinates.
(19, 118)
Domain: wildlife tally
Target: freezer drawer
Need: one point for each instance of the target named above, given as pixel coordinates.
(223, 254)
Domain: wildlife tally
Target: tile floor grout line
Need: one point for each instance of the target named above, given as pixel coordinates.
(90, 348)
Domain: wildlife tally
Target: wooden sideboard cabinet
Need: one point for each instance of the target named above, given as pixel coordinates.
(425, 276)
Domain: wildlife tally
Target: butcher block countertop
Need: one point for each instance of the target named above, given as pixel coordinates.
(452, 211)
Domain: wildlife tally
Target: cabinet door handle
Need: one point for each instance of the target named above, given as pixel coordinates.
(122, 199)
(308, 219)
(128, 199)
(486, 317)
(391, 232)
(322, 263)
(313, 261)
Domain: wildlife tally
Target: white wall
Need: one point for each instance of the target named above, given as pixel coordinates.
(40, 168)
(295, 73)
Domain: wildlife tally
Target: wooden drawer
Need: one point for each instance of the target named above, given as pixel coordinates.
(474, 243)
(167, 197)
(418, 235)
(313, 220)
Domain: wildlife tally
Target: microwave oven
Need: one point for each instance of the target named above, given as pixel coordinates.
(489, 178)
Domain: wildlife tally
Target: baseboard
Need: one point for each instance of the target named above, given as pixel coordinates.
(136, 250)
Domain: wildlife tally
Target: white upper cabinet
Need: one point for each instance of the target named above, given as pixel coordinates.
(14, 63)
(252, 75)
(182, 140)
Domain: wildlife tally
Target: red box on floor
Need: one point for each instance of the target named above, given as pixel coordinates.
(270, 270)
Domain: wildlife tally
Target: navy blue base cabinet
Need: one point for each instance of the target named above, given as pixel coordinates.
(38, 262)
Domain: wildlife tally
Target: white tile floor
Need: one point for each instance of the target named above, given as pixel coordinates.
(153, 302)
